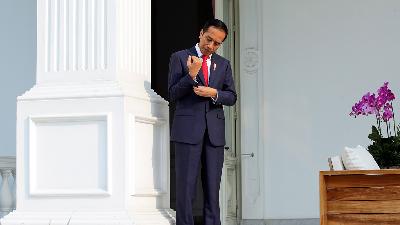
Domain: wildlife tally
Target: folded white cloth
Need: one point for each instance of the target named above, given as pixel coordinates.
(358, 158)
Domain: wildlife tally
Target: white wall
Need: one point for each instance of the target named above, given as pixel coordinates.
(17, 63)
(319, 58)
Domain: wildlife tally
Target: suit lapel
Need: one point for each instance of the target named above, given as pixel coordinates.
(192, 51)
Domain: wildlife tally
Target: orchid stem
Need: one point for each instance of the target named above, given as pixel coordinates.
(394, 122)
(387, 129)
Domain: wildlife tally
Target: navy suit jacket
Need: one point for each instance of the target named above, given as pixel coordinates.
(195, 114)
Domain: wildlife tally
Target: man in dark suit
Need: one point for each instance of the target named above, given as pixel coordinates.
(200, 83)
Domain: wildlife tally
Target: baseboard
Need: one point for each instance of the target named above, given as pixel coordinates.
(313, 221)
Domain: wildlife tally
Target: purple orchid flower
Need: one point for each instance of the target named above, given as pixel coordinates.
(380, 105)
(387, 112)
(385, 95)
(365, 106)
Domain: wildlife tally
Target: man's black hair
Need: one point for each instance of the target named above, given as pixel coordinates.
(217, 24)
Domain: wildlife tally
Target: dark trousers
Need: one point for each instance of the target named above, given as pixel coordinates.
(187, 161)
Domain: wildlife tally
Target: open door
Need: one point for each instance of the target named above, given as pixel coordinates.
(191, 16)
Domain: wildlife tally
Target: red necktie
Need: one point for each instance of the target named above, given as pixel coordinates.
(204, 67)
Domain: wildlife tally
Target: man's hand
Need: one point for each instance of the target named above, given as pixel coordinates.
(194, 64)
(205, 91)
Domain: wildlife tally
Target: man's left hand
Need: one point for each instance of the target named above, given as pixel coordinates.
(205, 91)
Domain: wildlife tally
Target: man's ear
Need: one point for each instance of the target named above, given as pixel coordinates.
(201, 33)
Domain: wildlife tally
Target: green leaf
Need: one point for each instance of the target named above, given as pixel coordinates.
(374, 135)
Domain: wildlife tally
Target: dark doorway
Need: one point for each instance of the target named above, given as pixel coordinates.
(175, 26)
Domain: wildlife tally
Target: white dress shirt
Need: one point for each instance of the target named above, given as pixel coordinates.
(199, 54)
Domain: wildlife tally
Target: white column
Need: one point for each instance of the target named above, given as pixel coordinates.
(92, 137)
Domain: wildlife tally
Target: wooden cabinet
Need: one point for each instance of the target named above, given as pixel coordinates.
(356, 197)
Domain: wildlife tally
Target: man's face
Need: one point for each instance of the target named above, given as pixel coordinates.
(211, 40)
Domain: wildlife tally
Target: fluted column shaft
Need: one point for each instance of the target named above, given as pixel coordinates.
(92, 40)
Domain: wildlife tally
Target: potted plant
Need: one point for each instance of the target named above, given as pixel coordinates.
(385, 147)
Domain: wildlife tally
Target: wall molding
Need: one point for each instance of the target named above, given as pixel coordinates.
(98, 89)
(160, 126)
(62, 120)
(251, 57)
(311, 221)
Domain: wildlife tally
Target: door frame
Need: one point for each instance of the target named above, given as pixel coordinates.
(233, 155)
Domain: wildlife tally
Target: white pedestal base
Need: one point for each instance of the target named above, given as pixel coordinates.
(97, 160)
(162, 217)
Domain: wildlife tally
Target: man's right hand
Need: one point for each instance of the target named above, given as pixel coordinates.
(194, 64)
